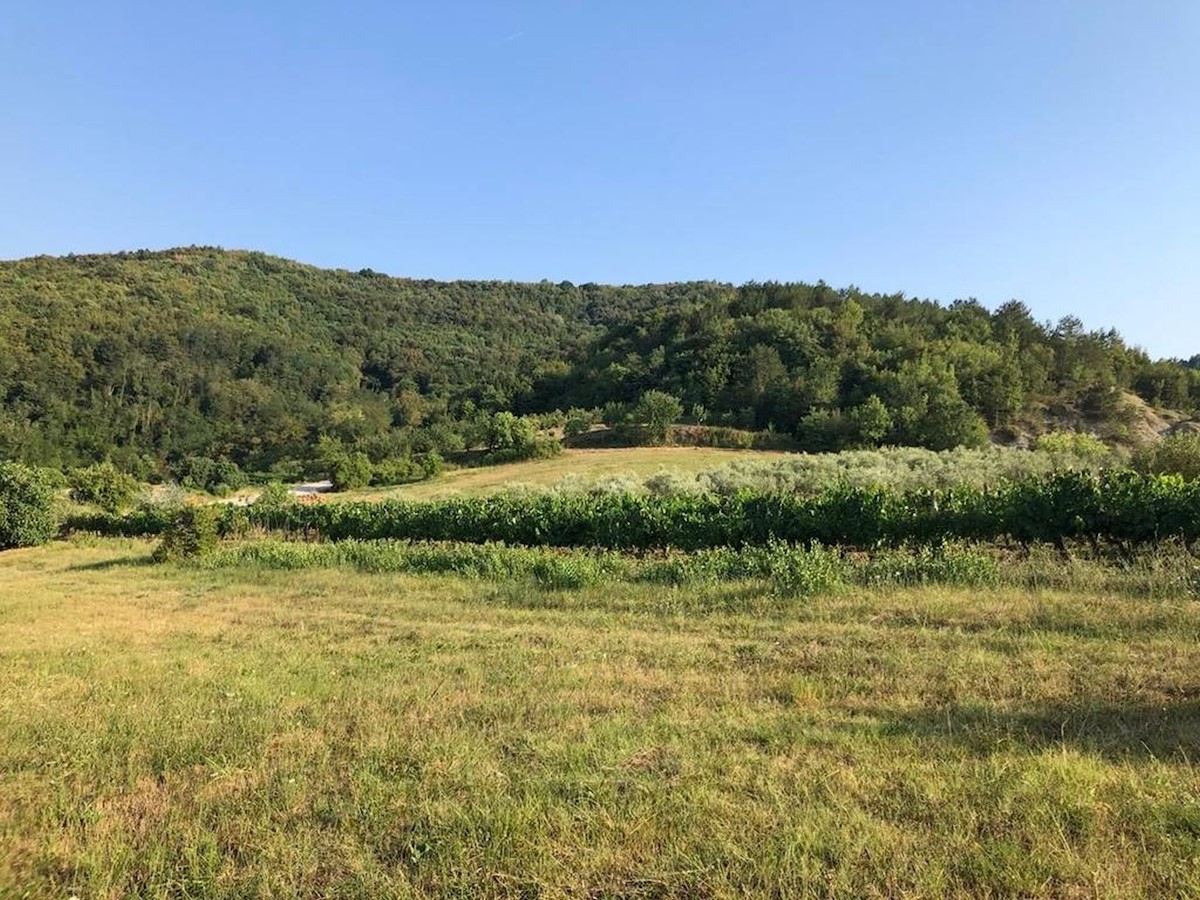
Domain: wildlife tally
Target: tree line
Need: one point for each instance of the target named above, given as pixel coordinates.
(187, 360)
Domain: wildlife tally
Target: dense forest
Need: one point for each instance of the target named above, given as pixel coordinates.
(842, 368)
(150, 358)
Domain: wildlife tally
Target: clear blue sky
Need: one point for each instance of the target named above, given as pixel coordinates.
(1039, 149)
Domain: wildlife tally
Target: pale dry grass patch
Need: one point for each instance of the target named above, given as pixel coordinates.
(578, 467)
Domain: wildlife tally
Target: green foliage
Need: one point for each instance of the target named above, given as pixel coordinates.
(805, 574)
(845, 369)
(1123, 509)
(1079, 444)
(895, 468)
(407, 469)
(1177, 454)
(962, 567)
(228, 362)
(510, 438)
(871, 421)
(655, 412)
(102, 485)
(730, 438)
(192, 533)
(404, 470)
(826, 431)
(432, 464)
(200, 352)
(351, 471)
(218, 477)
(578, 421)
(275, 496)
(787, 571)
(26, 506)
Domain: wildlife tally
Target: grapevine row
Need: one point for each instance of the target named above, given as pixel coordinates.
(1123, 508)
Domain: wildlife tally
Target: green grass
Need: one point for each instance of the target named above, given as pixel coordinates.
(167, 731)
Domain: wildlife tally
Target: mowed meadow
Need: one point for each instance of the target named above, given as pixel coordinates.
(570, 468)
(171, 730)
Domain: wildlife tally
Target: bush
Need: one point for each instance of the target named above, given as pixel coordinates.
(1178, 454)
(432, 464)
(215, 476)
(192, 534)
(728, 438)
(397, 471)
(26, 506)
(655, 412)
(578, 421)
(274, 496)
(799, 572)
(1079, 444)
(540, 448)
(102, 485)
(352, 471)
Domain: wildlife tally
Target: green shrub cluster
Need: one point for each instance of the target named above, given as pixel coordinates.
(1177, 454)
(216, 476)
(192, 533)
(102, 485)
(26, 506)
(1122, 507)
(1119, 508)
(729, 438)
(406, 469)
(896, 468)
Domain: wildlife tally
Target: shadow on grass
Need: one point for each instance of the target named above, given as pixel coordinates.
(1161, 731)
(124, 562)
(1151, 623)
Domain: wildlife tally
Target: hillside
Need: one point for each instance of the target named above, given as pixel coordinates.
(846, 369)
(149, 357)
(232, 353)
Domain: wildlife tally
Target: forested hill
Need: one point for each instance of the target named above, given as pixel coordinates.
(200, 350)
(844, 368)
(152, 356)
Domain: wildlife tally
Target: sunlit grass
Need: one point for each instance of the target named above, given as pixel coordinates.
(581, 466)
(175, 732)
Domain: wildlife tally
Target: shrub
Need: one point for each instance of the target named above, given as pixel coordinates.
(656, 411)
(1177, 454)
(1080, 444)
(826, 431)
(274, 496)
(949, 565)
(578, 421)
(192, 534)
(215, 476)
(352, 471)
(26, 506)
(539, 448)
(102, 485)
(396, 471)
(566, 572)
(668, 483)
(432, 464)
(801, 572)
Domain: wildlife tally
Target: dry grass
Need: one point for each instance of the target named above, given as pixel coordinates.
(171, 732)
(585, 465)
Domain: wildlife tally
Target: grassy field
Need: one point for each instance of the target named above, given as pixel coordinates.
(241, 733)
(577, 465)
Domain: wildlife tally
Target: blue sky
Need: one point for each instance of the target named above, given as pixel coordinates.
(1047, 151)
